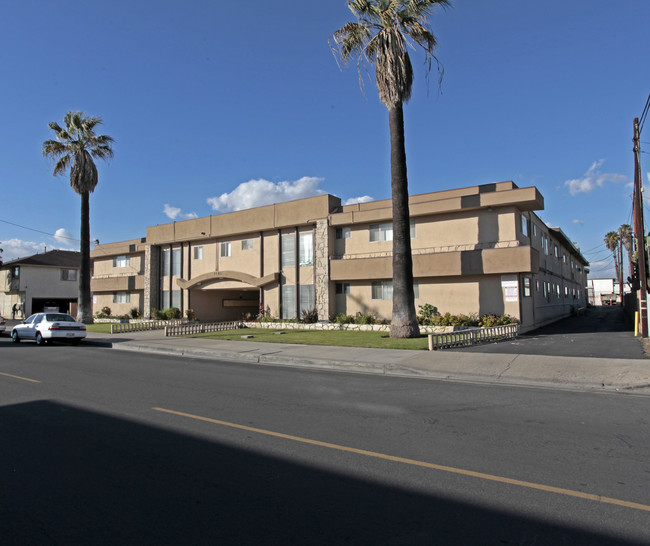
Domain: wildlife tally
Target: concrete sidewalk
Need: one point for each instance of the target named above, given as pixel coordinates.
(591, 374)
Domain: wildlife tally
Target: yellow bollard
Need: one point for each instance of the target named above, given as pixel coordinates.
(636, 323)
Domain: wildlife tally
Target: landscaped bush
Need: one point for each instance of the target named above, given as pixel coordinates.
(364, 318)
(487, 321)
(105, 312)
(342, 318)
(309, 316)
(158, 314)
(190, 314)
(135, 313)
(427, 314)
(173, 313)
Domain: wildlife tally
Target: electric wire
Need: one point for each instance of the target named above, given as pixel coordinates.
(644, 115)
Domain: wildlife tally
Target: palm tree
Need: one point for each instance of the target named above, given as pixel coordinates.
(74, 147)
(612, 242)
(626, 237)
(383, 31)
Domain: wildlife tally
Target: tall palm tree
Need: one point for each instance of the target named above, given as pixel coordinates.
(612, 242)
(626, 236)
(383, 31)
(75, 146)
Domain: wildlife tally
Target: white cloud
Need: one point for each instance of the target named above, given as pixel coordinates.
(576, 221)
(354, 200)
(256, 193)
(15, 248)
(175, 212)
(64, 237)
(592, 179)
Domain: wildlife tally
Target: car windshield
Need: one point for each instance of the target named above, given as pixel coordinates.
(58, 317)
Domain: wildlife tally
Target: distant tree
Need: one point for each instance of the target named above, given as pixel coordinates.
(75, 146)
(382, 33)
(613, 242)
(626, 236)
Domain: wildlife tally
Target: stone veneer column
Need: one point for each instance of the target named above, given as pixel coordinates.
(321, 269)
(151, 280)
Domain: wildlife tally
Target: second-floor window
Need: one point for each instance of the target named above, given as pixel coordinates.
(226, 249)
(68, 274)
(381, 232)
(121, 297)
(247, 244)
(382, 290)
(198, 252)
(306, 248)
(121, 261)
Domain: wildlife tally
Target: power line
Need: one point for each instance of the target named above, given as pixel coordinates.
(644, 115)
(39, 231)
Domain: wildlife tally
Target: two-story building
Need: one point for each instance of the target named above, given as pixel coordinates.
(478, 250)
(47, 281)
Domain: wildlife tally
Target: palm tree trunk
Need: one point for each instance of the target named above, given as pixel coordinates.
(84, 310)
(404, 320)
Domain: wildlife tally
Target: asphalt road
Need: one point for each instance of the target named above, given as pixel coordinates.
(103, 447)
(602, 332)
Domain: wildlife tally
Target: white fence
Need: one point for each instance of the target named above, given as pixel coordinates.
(464, 338)
(200, 328)
(140, 326)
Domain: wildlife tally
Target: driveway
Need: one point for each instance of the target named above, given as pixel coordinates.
(602, 332)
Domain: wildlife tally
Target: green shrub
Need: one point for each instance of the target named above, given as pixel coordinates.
(135, 313)
(173, 313)
(342, 318)
(309, 316)
(486, 321)
(158, 314)
(364, 318)
(428, 314)
(190, 314)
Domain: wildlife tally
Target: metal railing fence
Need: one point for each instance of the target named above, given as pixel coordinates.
(200, 328)
(463, 338)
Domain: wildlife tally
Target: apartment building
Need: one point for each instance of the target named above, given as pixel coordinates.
(480, 249)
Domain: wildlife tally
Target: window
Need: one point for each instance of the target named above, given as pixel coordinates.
(68, 274)
(165, 299)
(176, 299)
(121, 297)
(288, 302)
(556, 249)
(288, 250)
(537, 285)
(121, 261)
(535, 230)
(226, 250)
(247, 244)
(306, 249)
(16, 271)
(524, 226)
(416, 290)
(545, 244)
(342, 287)
(343, 233)
(381, 232)
(382, 290)
(198, 252)
(306, 297)
(176, 262)
(527, 287)
(164, 263)
(412, 229)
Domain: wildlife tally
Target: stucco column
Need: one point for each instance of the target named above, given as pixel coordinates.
(321, 269)
(151, 280)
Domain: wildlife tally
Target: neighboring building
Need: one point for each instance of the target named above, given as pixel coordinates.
(40, 282)
(605, 291)
(478, 250)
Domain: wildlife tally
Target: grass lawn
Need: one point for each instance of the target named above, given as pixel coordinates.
(336, 338)
(102, 328)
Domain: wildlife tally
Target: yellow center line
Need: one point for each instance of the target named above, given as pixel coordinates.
(18, 377)
(413, 462)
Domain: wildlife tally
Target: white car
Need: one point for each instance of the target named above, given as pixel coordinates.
(45, 327)
(3, 324)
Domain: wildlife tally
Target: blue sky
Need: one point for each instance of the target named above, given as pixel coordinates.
(216, 106)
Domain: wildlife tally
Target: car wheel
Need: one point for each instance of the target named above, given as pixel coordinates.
(39, 339)
(14, 337)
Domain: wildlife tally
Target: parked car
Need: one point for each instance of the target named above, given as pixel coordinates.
(46, 327)
(3, 324)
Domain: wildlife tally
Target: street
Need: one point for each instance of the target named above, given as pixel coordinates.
(104, 447)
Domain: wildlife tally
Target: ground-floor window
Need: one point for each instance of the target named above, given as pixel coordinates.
(288, 302)
(306, 297)
(382, 290)
(121, 297)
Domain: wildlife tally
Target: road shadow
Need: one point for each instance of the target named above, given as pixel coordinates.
(601, 332)
(71, 476)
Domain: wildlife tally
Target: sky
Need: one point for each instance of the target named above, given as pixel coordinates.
(217, 106)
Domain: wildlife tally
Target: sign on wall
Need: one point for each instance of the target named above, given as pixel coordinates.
(510, 285)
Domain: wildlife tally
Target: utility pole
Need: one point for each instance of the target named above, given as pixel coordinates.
(639, 231)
